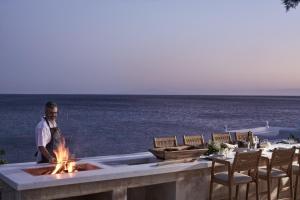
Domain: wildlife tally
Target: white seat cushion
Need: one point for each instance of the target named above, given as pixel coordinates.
(238, 178)
(275, 173)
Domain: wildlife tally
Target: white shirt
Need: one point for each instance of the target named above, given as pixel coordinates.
(42, 135)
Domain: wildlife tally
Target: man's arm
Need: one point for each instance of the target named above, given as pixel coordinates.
(42, 134)
(46, 154)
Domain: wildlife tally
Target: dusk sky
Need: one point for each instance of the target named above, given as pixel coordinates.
(149, 47)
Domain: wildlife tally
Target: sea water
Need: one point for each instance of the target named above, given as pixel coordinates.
(97, 125)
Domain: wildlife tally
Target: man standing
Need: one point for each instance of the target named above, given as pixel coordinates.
(47, 134)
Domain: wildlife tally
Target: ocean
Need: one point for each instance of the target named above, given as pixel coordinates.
(96, 125)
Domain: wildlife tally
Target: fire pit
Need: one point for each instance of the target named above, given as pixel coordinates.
(48, 170)
(64, 163)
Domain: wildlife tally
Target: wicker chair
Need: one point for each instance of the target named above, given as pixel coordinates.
(193, 140)
(161, 142)
(246, 161)
(279, 167)
(221, 138)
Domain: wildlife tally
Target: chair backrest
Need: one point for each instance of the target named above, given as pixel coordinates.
(246, 161)
(170, 141)
(242, 136)
(221, 138)
(193, 140)
(298, 155)
(282, 157)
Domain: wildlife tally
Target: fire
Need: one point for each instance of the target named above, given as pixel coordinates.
(62, 158)
(71, 167)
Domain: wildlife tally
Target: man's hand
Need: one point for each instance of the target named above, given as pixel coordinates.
(52, 160)
(46, 154)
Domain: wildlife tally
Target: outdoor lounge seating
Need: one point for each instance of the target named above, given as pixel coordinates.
(246, 161)
(221, 138)
(193, 140)
(161, 142)
(167, 148)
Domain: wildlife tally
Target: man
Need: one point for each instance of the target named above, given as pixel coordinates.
(47, 135)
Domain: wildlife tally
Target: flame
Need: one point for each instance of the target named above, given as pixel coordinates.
(71, 167)
(57, 168)
(62, 158)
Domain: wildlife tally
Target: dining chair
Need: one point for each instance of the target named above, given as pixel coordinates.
(242, 139)
(296, 172)
(235, 174)
(239, 136)
(169, 141)
(278, 167)
(193, 140)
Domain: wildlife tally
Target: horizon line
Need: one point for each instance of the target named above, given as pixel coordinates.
(141, 94)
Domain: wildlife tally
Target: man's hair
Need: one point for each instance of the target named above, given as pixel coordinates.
(50, 104)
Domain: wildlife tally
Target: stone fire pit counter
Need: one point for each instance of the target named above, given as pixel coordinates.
(14, 176)
(121, 177)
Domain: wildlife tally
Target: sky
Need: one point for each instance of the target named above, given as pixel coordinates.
(237, 47)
